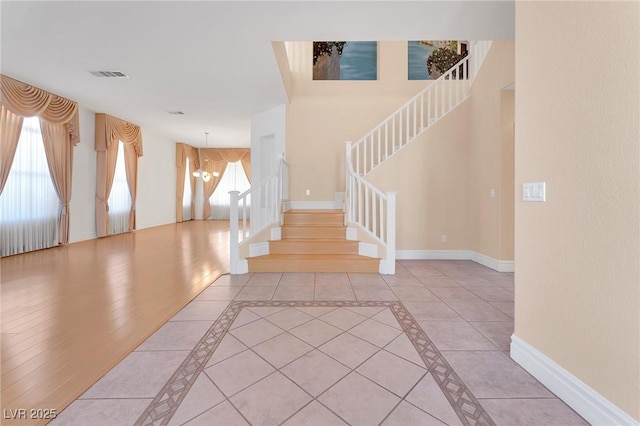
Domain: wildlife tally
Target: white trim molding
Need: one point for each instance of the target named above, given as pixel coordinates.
(258, 249)
(351, 234)
(239, 266)
(276, 234)
(490, 262)
(368, 250)
(313, 205)
(595, 408)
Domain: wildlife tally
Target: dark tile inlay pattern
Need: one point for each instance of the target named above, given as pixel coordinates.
(165, 404)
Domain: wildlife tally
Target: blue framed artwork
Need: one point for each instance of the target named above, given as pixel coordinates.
(429, 59)
(345, 60)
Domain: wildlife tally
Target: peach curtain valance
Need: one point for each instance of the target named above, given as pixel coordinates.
(110, 130)
(28, 101)
(211, 156)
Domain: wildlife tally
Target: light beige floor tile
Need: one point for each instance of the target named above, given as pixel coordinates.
(306, 279)
(492, 294)
(332, 278)
(223, 414)
(375, 332)
(139, 375)
(315, 372)
(343, 318)
(428, 396)
(282, 349)
(407, 414)
(83, 412)
(244, 317)
(498, 332)
(458, 336)
(452, 294)
(403, 347)
(473, 281)
(374, 293)
(175, 336)
(432, 311)
(366, 311)
(314, 414)
(228, 347)
(219, 293)
(415, 294)
(349, 350)
(316, 311)
(238, 372)
(256, 332)
(359, 401)
(387, 317)
(270, 401)
(478, 311)
(289, 318)
(294, 293)
(315, 332)
(256, 293)
(532, 412)
(437, 281)
(367, 280)
(264, 279)
(201, 310)
(506, 307)
(402, 281)
(265, 311)
(392, 372)
(336, 292)
(202, 396)
(492, 374)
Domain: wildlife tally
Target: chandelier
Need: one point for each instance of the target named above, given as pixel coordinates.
(206, 176)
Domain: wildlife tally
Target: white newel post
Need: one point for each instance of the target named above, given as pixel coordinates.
(347, 181)
(233, 232)
(389, 266)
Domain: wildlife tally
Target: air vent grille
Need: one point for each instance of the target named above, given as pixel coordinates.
(109, 74)
(176, 112)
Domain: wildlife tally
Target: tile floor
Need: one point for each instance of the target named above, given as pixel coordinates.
(427, 346)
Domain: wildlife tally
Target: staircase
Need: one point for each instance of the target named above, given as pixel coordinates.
(313, 241)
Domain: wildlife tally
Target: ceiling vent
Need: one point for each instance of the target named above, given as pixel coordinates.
(176, 112)
(110, 74)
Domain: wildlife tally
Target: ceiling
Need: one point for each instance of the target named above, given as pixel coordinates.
(213, 60)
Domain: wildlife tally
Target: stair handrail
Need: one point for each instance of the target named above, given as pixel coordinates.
(419, 112)
(373, 210)
(261, 210)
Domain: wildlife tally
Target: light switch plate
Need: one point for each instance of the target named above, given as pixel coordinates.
(534, 191)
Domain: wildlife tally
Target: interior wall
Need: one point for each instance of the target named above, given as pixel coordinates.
(270, 123)
(486, 165)
(506, 193)
(577, 293)
(323, 115)
(156, 181)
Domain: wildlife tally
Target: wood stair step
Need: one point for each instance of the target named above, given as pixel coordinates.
(313, 246)
(314, 217)
(313, 263)
(314, 231)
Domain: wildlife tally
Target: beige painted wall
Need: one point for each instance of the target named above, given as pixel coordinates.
(323, 115)
(507, 188)
(488, 218)
(578, 129)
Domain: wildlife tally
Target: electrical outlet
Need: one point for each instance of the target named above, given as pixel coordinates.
(444, 238)
(535, 191)
(492, 193)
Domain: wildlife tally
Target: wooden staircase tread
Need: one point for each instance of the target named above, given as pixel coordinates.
(312, 225)
(313, 257)
(314, 240)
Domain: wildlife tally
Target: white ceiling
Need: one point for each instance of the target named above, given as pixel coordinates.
(211, 59)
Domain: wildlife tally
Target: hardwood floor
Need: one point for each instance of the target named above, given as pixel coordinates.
(69, 314)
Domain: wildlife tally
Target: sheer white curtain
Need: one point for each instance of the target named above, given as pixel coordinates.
(29, 203)
(233, 179)
(186, 197)
(120, 197)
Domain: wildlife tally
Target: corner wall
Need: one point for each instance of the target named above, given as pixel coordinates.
(577, 293)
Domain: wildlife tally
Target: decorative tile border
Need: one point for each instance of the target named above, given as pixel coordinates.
(169, 398)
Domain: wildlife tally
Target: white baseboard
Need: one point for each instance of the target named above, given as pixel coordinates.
(368, 250)
(258, 249)
(276, 234)
(153, 224)
(82, 237)
(352, 234)
(595, 408)
(314, 205)
(240, 266)
(496, 265)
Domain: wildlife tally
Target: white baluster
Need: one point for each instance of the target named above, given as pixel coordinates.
(421, 111)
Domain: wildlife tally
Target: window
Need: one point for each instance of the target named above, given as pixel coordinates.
(233, 179)
(186, 197)
(29, 203)
(119, 197)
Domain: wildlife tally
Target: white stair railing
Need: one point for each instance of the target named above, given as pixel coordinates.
(366, 205)
(254, 210)
(419, 113)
